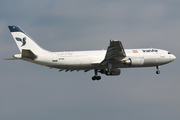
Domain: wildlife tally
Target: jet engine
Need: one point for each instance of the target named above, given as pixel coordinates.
(134, 62)
(112, 72)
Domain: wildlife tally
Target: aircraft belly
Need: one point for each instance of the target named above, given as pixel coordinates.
(74, 67)
(150, 62)
(76, 64)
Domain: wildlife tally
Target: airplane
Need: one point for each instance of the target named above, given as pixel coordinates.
(108, 62)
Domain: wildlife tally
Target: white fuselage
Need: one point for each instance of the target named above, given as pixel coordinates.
(86, 60)
(104, 61)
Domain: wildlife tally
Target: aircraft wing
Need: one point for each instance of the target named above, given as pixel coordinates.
(114, 51)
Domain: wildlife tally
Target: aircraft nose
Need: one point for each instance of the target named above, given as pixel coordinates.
(173, 57)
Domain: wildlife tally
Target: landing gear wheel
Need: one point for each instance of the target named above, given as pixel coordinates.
(112, 73)
(96, 78)
(157, 72)
(108, 72)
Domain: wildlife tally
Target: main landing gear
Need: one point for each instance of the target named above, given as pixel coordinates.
(158, 71)
(96, 77)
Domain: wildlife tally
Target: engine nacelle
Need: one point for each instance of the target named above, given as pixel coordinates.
(134, 62)
(112, 72)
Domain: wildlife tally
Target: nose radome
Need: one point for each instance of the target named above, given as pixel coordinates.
(173, 57)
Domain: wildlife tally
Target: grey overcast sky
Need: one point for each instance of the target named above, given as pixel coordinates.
(32, 92)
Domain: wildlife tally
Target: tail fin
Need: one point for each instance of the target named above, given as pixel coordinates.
(23, 40)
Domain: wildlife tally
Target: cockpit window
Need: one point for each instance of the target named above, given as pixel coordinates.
(169, 52)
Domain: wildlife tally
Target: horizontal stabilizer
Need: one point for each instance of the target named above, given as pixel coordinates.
(28, 54)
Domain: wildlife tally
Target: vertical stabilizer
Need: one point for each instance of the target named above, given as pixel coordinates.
(23, 40)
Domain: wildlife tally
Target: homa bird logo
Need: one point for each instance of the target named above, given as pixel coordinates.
(22, 40)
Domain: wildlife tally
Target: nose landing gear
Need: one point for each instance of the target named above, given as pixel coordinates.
(158, 71)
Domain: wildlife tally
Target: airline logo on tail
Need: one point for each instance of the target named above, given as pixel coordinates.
(22, 40)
